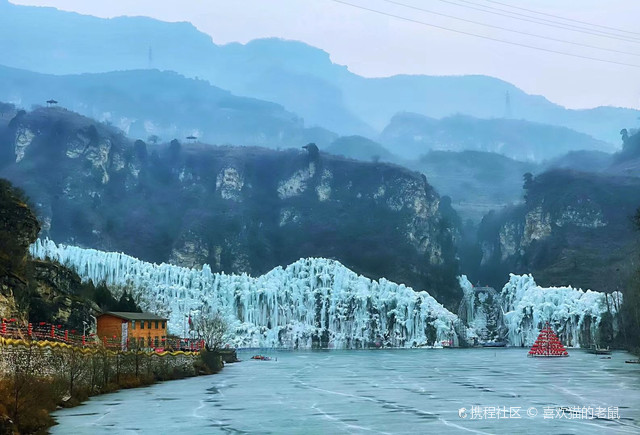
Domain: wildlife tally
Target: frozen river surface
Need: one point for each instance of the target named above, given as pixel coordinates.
(381, 391)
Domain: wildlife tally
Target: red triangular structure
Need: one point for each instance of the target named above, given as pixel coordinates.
(548, 344)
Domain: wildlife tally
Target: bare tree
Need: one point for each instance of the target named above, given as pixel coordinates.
(22, 364)
(74, 366)
(211, 328)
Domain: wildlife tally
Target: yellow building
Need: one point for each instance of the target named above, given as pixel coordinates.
(132, 330)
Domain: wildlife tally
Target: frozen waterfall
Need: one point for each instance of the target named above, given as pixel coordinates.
(574, 314)
(481, 310)
(313, 301)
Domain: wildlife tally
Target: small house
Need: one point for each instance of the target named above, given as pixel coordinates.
(132, 330)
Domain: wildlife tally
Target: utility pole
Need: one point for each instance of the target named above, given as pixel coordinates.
(507, 105)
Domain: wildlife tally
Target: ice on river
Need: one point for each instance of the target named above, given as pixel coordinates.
(379, 391)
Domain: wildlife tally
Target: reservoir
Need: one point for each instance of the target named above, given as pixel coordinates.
(381, 391)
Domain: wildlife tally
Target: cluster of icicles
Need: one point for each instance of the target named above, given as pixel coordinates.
(575, 315)
(319, 302)
(312, 302)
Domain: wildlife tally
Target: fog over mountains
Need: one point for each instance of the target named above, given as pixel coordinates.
(145, 103)
(473, 137)
(293, 74)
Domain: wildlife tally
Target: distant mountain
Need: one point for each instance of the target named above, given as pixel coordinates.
(165, 104)
(239, 209)
(360, 148)
(476, 181)
(584, 161)
(627, 161)
(378, 100)
(301, 78)
(410, 135)
(69, 43)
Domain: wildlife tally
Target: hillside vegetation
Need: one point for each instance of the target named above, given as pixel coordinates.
(574, 229)
(239, 209)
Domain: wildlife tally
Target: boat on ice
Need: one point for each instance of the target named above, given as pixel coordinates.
(494, 344)
(597, 350)
(262, 358)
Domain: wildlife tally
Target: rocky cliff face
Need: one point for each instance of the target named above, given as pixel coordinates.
(34, 290)
(238, 209)
(18, 229)
(574, 229)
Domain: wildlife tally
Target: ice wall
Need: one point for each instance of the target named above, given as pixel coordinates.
(574, 314)
(312, 300)
(480, 309)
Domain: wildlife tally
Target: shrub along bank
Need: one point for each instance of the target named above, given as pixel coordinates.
(38, 377)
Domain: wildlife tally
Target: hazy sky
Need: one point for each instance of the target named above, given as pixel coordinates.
(374, 45)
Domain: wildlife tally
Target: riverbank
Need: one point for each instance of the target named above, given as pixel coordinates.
(36, 378)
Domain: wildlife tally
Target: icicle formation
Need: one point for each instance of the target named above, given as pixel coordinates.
(574, 313)
(312, 301)
(480, 309)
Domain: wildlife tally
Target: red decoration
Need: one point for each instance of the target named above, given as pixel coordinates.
(548, 344)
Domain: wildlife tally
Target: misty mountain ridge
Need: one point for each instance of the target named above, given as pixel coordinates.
(627, 161)
(361, 148)
(143, 103)
(300, 77)
(410, 135)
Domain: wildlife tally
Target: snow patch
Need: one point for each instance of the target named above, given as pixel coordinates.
(324, 188)
(297, 183)
(229, 183)
(24, 137)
